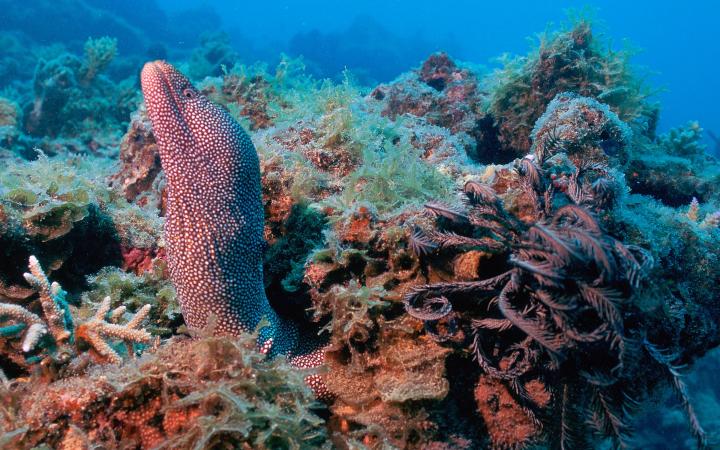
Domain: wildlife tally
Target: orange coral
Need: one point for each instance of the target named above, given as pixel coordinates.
(506, 422)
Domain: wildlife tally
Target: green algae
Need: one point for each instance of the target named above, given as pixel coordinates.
(49, 195)
(198, 393)
(393, 177)
(573, 60)
(99, 53)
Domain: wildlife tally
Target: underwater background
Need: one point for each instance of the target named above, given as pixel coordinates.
(502, 218)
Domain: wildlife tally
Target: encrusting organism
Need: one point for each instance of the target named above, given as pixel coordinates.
(52, 338)
(214, 228)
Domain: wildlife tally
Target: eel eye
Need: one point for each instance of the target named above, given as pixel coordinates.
(189, 93)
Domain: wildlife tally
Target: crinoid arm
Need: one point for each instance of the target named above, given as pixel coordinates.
(673, 372)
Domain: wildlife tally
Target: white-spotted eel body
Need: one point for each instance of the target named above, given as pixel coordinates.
(214, 218)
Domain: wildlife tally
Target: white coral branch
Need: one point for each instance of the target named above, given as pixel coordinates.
(693, 210)
(51, 297)
(711, 220)
(97, 330)
(36, 328)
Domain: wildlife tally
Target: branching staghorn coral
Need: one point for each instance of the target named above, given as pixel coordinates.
(693, 210)
(55, 309)
(25, 319)
(711, 220)
(53, 337)
(97, 331)
(556, 316)
(684, 141)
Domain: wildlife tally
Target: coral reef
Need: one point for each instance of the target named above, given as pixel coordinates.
(8, 124)
(98, 55)
(62, 211)
(53, 341)
(214, 53)
(674, 168)
(444, 95)
(16, 62)
(189, 394)
(74, 89)
(8, 113)
(572, 60)
(564, 314)
(555, 318)
(512, 259)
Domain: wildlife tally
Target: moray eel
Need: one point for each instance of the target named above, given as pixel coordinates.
(214, 219)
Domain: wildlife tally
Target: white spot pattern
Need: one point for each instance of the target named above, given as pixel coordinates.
(214, 227)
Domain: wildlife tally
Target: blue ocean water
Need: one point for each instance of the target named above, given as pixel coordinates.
(676, 42)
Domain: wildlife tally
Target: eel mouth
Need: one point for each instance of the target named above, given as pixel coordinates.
(156, 83)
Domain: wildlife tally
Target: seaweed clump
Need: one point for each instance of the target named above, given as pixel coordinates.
(569, 61)
(60, 210)
(54, 209)
(208, 392)
(674, 168)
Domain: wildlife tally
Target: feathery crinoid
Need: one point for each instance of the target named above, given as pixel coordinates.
(554, 315)
(551, 143)
(673, 373)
